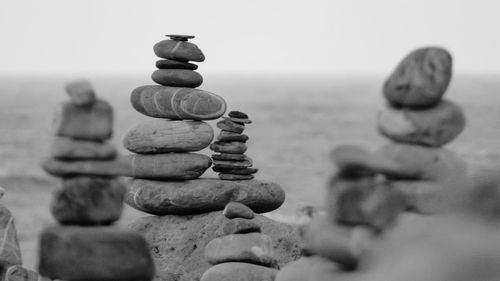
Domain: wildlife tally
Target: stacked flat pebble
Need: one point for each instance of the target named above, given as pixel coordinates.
(244, 253)
(419, 122)
(84, 246)
(231, 162)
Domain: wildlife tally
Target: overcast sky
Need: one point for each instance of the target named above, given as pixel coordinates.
(255, 36)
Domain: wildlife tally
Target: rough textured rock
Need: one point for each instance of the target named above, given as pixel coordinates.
(237, 210)
(89, 201)
(202, 195)
(241, 225)
(19, 273)
(178, 242)
(434, 126)
(239, 271)
(10, 254)
(421, 79)
(178, 50)
(81, 93)
(94, 254)
(233, 147)
(173, 166)
(161, 136)
(253, 248)
(72, 149)
(177, 103)
(173, 64)
(94, 122)
(177, 78)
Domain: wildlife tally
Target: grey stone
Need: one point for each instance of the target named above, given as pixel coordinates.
(241, 225)
(234, 177)
(239, 271)
(177, 78)
(10, 253)
(237, 210)
(173, 64)
(64, 148)
(230, 126)
(230, 136)
(178, 50)
(234, 147)
(81, 93)
(19, 273)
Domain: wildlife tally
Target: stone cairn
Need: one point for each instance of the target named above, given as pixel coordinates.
(231, 163)
(11, 268)
(84, 246)
(187, 209)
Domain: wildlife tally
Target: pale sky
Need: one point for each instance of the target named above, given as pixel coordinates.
(255, 36)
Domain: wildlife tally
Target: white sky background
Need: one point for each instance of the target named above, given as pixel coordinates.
(257, 36)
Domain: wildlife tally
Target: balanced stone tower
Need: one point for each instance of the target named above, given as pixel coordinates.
(187, 209)
(85, 246)
(419, 122)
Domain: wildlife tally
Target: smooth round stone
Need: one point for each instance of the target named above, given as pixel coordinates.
(88, 201)
(240, 120)
(238, 114)
(234, 147)
(421, 79)
(235, 171)
(81, 93)
(231, 157)
(202, 195)
(237, 210)
(314, 268)
(230, 126)
(234, 177)
(73, 149)
(173, 64)
(178, 50)
(255, 248)
(94, 253)
(435, 126)
(240, 225)
(177, 78)
(177, 103)
(232, 271)
(161, 136)
(230, 136)
(10, 253)
(231, 164)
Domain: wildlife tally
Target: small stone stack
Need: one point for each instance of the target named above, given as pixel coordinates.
(419, 122)
(231, 163)
(84, 247)
(244, 253)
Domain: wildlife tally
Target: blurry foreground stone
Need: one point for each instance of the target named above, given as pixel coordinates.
(19, 273)
(10, 253)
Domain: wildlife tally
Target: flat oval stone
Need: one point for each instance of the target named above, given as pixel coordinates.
(237, 210)
(231, 271)
(421, 79)
(234, 147)
(10, 253)
(230, 136)
(161, 136)
(435, 126)
(235, 177)
(177, 103)
(81, 93)
(231, 157)
(88, 201)
(173, 64)
(240, 225)
(240, 120)
(235, 171)
(73, 149)
(178, 50)
(255, 248)
(202, 195)
(177, 78)
(232, 164)
(237, 114)
(230, 126)
(94, 253)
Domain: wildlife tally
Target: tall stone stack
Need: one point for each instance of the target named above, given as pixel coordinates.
(85, 246)
(419, 122)
(231, 162)
(187, 209)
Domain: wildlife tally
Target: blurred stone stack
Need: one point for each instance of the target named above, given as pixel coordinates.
(85, 246)
(10, 254)
(419, 122)
(231, 163)
(244, 253)
(187, 209)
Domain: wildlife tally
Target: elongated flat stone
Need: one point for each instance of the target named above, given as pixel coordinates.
(173, 64)
(89, 201)
(421, 79)
(236, 171)
(94, 254)
(177, 78)
(232, 164)
(235, 177)
(161, 136)
(202, 195)
(178, 50)
(231, 157)
(231, 271)
(253, 248)
(230, 126)
(233, 147)
(237, 210)
(94, 122)
(435, 126)
(10, 253)
(72, 149)
(230, 136)
(240, 225)
(167, 166)
(177, 103)
(19, 273)
(81, 93)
